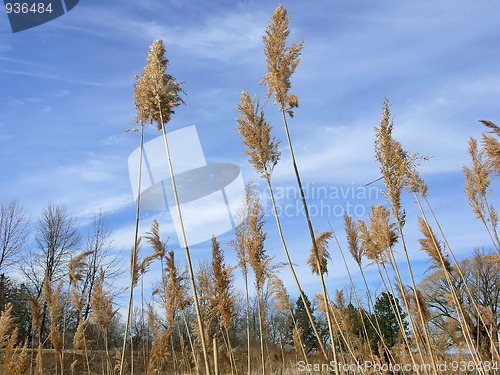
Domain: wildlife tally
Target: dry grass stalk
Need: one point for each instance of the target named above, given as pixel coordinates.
(55, 307)
(264, 155)
(283, 303)
(36, 318)
(457, 267)
(174, 299)
(240, 246)
(159, 349)
(224, 297)
(342, 326)
(103, 311)
(282, 60)
(395, 167)
(76, 274)
(141, 121)
(356, 251)
(359, 242)
(15, 357)
(376, 244)
(160, 248)
(260, 262)
(156, 95)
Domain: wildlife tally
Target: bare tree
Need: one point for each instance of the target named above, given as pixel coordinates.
(56, 236)
(99, 243)
(483, 280)
(14, 225)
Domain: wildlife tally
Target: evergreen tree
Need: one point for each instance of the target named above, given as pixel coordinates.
(308, 337)
(388, 321)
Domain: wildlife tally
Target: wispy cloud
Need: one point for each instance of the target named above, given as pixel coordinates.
(50, 77)
(220, 37)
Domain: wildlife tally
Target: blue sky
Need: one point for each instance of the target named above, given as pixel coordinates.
(66, 98)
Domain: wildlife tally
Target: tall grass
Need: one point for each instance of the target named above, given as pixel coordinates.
(180, 327)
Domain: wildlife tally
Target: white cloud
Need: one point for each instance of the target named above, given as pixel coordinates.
(229, 35)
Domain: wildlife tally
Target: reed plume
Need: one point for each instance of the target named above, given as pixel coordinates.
(353, 241)
(383, 234)
(393, 166)
(433, 247)
(282, 60)
(153, 237)
(223, 285)
(256, 132)
(492, 146)
(156, 93)
(477, 182)
(322, 243)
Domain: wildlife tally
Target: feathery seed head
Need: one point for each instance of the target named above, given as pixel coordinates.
(256, 132)
(430, 244)
(281, 61)
(156, 93)
(492, 146)
(353, 244)
(393, 167)
(323, 255)
(154, 240)
(223, 284)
